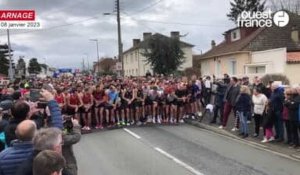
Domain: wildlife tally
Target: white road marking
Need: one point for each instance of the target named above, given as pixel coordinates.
(132, 133)
(179, 162)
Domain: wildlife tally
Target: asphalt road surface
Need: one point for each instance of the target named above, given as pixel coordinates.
(174, 150)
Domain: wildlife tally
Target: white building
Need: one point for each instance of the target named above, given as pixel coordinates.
(135, 63)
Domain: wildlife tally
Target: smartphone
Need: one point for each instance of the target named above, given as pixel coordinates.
(34, 95)
(41, 105)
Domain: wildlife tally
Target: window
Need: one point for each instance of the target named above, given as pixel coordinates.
(235, 35)
(257, 70)
(232, 67)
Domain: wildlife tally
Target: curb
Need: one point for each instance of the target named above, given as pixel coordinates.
(225, 133)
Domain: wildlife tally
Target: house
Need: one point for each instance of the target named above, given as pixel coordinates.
(256, 52)
(105, 65)
(135, 63)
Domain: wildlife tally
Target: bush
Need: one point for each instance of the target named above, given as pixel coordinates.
(275, 77)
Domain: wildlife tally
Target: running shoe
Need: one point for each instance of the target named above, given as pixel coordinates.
(265, 140)
(271, 139)
(234, 129)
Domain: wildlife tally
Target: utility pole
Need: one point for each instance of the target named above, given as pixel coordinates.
(10, 71)
(120, 45)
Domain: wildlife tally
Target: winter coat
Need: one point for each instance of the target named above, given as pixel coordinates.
(12, 157)
(293, 108)
(277, 99)
(221, 89)
(243, 103)
(26, 167)
(231, 94)
(69, 140)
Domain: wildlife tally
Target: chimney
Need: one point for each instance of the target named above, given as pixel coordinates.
(175, 34)
(213, 43)
(147, 35)
(136, 42)
(295, 34)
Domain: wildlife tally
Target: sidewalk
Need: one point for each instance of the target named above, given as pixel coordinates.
(280, 149)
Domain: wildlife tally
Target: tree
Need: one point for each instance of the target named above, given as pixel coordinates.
(4, 61)
(163, 54)
(21, 67)
(34, 67)
(238, 6)
(290, 5)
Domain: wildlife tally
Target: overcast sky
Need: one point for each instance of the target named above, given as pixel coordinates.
(64, 45)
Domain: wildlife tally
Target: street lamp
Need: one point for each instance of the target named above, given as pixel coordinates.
(96, 40)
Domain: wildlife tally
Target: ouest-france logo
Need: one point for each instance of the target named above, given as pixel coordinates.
(263, 19)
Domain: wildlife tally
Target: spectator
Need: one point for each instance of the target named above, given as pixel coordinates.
(292, 104)
(21, 149)
(276, 104)
(207, 90)
(219, 103)
(19, 112)
(285, 116)
(230, 96)
(48, 163)
(71, 136)
(259, 100)
(243, 108)
(46, 139)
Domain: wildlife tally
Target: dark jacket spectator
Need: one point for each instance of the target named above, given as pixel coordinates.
(21, 149)
(19, 111)
(277, 99)
(243, 103)
(70, 138)
(220, 93)
(231, 94)
(293, 107)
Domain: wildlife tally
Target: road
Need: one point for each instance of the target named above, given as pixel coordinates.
(176, 150)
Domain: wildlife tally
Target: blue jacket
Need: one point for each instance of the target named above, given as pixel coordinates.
(11, 158)
(55, 112)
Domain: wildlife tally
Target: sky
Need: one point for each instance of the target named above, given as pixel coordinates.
(68, 26)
